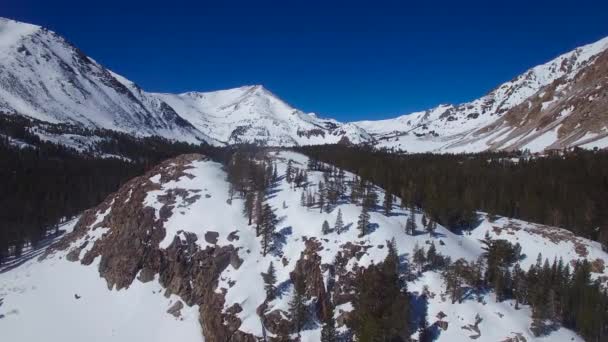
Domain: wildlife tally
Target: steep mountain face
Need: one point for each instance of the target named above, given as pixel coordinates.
(171, 256)
(558, 104)
(44, 77)
(253, 114)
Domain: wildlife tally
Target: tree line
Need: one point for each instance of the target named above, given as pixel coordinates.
(567, 191)
(44, 184)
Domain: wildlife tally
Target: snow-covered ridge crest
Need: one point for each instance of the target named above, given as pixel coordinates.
(45, 77)
(179, 230)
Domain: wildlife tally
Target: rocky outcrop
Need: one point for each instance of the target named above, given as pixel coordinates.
(130, 249)
(308, 270)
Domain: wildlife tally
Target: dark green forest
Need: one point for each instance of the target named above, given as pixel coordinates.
(568, 191)
(45, 184)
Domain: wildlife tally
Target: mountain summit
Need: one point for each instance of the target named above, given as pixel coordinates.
(559, 104)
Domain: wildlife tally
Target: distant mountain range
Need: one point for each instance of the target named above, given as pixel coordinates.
(563, 103)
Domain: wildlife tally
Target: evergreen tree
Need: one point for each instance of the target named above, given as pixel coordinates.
(363, 222)
(380, 308)
(325, 228)
(297, 306)
(339, 225)
(270, 280)
(432, 256)
(258, 212)
(328, 332)
(419, 257)
(268, 227)
(303, 199)
(388, 203)
(248, 206)
(321, 188)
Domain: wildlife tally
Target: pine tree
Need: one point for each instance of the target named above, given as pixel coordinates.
(419, 257)
(321, 188)
(268, 227)
(328, 332)
(297, 306)
(289, 171)
(370, 199)
(339, 225)
(303, 199)
(388, 203)
(248, 206)
(258, 212)
(270, 280)
(325, 228)
(424, 221)
(363, 222)
(431, 226)
(431, 256)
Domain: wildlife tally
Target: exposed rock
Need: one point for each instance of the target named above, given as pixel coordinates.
(233, 236)
(131, 247)
(176, 309)
(443, 325)
(211, 237)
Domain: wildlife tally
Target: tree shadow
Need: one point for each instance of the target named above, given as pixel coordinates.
(280, 240)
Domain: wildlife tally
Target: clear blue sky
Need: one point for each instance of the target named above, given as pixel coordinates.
(345, 59)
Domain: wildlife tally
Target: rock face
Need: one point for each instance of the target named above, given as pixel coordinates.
(308, 270)
(131, 247)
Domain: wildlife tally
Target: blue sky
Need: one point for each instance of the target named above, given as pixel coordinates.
(345, 59)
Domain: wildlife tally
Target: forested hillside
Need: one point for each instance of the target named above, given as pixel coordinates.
(561, 190)
(44, 183)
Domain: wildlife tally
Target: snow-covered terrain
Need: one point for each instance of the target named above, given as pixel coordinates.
(69, 301)
(253, 114)
(44, 77)
(476, 126)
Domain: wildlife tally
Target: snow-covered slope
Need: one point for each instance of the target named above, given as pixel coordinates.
(177, 226)
(253, 114)
(45, 77)
(480, 125)
(558, 104)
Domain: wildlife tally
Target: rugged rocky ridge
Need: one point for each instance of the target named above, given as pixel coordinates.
(518, 114)
(128, 247)
(175, 235)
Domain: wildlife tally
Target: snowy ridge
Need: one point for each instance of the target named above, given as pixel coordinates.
(56, 282)
(44, 77)
(252, 113)
(455, 128)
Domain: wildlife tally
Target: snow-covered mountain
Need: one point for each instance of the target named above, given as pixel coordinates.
(561, 103)
(254, 114)
(558, 104)
(170, 256)
(45, 77)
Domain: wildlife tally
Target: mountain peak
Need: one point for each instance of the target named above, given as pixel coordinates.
(12, 31)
